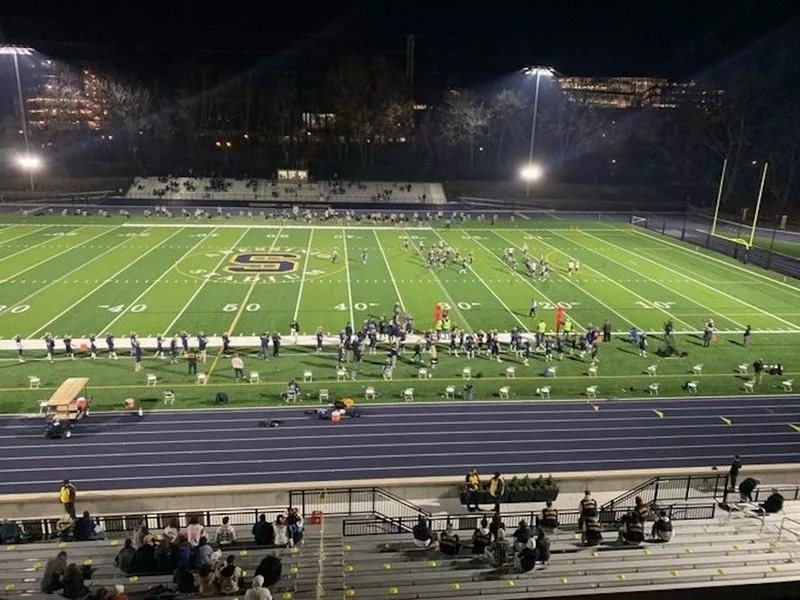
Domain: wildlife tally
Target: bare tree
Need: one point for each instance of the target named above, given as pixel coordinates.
(466, 120)
(129, 107)
(504, 111)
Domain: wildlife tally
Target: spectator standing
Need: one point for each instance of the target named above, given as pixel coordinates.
(263, 532)
(225, 534)
(606, 331)
(758, 369)
(473, 488)
(497, 487)
(238, 367)
(294, 526)
(191, 361)
(54, 571)
(746, 489)
(733, 473)
(66, 496)
(746, 336)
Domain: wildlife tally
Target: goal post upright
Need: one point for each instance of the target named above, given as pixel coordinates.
(719, 197)
(758, 204)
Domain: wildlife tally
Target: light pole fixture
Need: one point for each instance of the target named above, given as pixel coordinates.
(538, 72)
(15, 52)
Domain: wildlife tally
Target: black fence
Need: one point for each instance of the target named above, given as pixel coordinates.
(568, 520)
(695, 229)
(663, 490)
(345, 502)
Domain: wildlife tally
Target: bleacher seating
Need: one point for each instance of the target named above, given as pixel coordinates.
(702, 552)
(300, 192)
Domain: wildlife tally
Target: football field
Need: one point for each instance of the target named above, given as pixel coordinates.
(243, 277)
(243, 280)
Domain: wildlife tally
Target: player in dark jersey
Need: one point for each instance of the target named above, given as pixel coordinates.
(110, 345)
(50, 344)
(92, 347)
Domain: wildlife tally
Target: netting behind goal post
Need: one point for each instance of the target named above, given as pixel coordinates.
(639, 221)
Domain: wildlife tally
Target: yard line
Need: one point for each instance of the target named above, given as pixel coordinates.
(767, 279)
(242, 306)
(391, 275)
(491, 291)
(205, 281)
(108, 279)
(60, 278)
(49, 258)
(4, 242)
(152, 285)
(303, 277)
(347, 276)
(453, 304)
(673, 290)
(521, 277)
(698, 279)
(587, 292)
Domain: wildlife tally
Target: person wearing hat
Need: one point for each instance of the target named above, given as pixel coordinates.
(473, 487)
(449, 542)
(66, 495)
(257, 590)
(733, 473)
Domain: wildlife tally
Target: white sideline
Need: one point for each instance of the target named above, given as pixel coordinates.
(270, 226)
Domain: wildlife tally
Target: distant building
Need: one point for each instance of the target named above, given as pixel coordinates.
(613, 92)
(60, 99)
(691, 94)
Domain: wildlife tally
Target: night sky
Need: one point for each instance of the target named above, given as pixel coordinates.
(457, 42)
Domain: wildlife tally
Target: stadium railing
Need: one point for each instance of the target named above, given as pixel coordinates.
(345, 502)
(670, 489)
(568, 519)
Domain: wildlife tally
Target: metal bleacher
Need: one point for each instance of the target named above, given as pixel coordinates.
(299, 192)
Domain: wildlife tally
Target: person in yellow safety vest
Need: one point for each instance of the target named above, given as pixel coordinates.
(541, 329)
(473, 487)
(66, 495)
(497, 486)
(567, 327)
(438, 328)
(549, 517)
(587, 507)
(446, 324)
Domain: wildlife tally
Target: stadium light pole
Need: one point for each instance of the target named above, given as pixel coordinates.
(15, 52)
(538, 72)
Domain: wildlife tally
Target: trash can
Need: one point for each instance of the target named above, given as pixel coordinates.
(469, 390)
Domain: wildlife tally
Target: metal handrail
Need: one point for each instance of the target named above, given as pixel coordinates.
(672, 488)
(782, 528)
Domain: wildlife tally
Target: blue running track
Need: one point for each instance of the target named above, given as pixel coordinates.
(187, 448)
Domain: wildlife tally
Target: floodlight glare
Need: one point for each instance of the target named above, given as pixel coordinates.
(16, 50)
(539, 71)
(531, 172)
(29, 162)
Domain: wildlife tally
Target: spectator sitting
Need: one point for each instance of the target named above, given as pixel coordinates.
(184, 579)
(229, 576)
(206, 581)
(203, 552)
(542, 546)
(498, 551)
(54, 571)
(632, 529)
(171, 530)
(140, 531)
(270, 569)
(85, 527)
(124, 557)
(119, 593)
(226, 534)
(496, 525)
(74, 587)
(194, 531)
(422, 535)
(449, 542)
(258, 591)
(641, 509)
(521, 536)
(746, 489)
(144, 561)
(184, 550)
(100, 593)
(281, 531)
(481, 538)
(773, 504)
(592, 532)
(662, 528)
(11, 533)
(263, 532)
(166, 556)
(549, 517)
(65, 530)
(525, 560)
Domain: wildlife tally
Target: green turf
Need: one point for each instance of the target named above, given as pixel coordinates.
(79, 276)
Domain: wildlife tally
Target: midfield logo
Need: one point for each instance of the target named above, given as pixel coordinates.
(264, 262)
